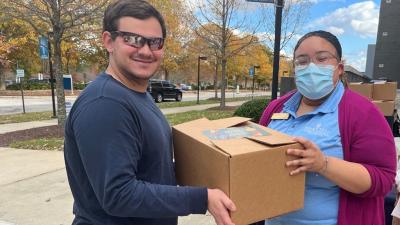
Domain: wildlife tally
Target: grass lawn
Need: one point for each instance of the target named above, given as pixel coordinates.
(27, 117)
(178, 118)
(40, 144)
(173, 119)
(174, 104)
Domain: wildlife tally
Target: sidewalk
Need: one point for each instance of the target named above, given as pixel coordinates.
(6, 128)
(34, 187)
(34, 190)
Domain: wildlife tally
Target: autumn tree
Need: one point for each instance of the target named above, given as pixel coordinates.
(18, 45)
(198, 46)
(238, 65)
(65, 19)
(255, 55)
(177, 34)
(227, 17)
(5, 49)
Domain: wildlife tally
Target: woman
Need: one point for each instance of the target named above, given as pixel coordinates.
(349, 156)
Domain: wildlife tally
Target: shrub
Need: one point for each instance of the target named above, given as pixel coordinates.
(79, 86)
(29, 85)
(252, 109)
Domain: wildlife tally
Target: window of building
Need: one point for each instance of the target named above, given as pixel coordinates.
(388, 1)
(385, 33)
(381, 65)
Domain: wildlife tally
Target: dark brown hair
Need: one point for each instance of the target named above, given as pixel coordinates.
(325, 35)
(138, 9)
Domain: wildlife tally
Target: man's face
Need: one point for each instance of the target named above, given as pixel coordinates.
(135, 63)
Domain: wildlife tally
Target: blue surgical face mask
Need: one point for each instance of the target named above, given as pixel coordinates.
(315, 81)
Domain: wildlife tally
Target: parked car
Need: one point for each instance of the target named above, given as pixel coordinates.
(186, 87)
(8, 82)
(163, 89)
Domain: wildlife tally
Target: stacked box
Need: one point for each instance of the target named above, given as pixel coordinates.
(364, 89)
(381, 93)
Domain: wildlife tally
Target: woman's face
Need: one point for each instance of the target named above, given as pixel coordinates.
(319, 51)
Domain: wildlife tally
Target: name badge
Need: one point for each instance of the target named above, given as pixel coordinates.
(280, 116)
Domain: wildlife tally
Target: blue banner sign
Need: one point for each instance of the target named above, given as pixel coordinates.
(251, 71)
(43, 49)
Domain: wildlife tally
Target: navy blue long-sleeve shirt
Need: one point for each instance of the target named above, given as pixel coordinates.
(118, 156)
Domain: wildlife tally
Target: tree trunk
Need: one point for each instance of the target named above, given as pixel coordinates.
(223, 83)
(61, 113)
(166, 74)
(2, 80)
(223, 52)
(216, 80)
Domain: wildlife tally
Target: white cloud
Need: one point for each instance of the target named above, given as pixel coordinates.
(360, 19)
(238, 32)
(356, 60)
(335, 30)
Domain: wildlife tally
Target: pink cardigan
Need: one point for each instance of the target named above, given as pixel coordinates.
(366, 139)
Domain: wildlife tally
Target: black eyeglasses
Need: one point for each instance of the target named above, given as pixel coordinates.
(138, 41)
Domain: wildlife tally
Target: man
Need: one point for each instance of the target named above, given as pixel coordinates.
(118, 144)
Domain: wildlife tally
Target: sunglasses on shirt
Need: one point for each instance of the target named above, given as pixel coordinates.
(138, 41)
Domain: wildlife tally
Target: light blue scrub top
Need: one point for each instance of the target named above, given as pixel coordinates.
(320, 126)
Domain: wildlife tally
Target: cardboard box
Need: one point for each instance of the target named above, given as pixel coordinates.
(386, 107)
(250, 170)
(384, 91)
(364, 89)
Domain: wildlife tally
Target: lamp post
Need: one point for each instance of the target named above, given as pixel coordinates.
(49, 34)
(68, 55)
(254, 69)
(198, 77)
(277, 42)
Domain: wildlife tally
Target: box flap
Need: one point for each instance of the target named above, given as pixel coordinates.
(263, 139)
(204, 123)
(238, 146)
(379, 81)
(273, 139)
(230, 122)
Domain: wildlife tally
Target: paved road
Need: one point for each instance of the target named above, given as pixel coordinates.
(10, 127)
(34, 190)
(13, 104)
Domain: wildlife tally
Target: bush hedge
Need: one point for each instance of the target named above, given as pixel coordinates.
(252, 109)
(79, 86)
(40, 86)
(29, 86)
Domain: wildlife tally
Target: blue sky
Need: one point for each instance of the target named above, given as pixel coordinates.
(355, 23)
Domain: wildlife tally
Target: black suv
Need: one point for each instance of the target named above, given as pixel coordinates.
(162, 89)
